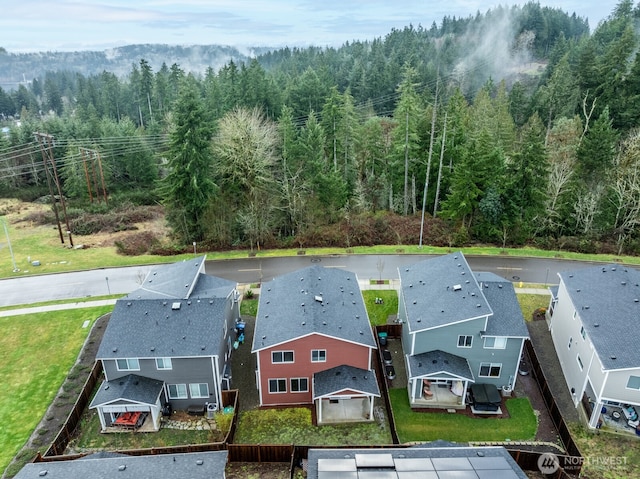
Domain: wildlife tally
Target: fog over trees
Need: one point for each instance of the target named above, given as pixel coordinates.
(514, 126)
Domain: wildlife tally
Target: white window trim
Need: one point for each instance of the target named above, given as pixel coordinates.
(629, 380)
(178, 387)
(323, 360)
(503, 339)
(277, 379)
(196, 387)
(465, 336)
(298, 379)
(283, 354)
(164, 367)
(491, 366)
(128, 368)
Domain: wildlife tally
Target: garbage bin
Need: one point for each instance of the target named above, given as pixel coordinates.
(382, 337)
(211, 409)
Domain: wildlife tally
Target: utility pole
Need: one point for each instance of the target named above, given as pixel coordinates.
(93, 156)
(83, 152)
(40, 138)
(13, 260)
(47, 154)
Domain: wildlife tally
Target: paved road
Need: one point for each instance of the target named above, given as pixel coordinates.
(82, 284)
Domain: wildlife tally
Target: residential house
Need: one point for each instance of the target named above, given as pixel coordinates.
(593, 320)
(314, 344)
(459, 328)
(105, 465)
(169, 342)
(422, 461)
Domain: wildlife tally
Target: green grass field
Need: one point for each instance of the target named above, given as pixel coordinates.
(36, 353)
(417, 426)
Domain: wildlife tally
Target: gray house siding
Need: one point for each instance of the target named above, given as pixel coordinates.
(184, 371)
(446, 339)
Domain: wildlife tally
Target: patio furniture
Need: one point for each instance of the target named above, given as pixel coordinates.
(615, 415)
(631, 416)
(130, 420)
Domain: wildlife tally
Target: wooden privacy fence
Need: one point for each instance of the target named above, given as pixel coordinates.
(554, 411)
(61, 441)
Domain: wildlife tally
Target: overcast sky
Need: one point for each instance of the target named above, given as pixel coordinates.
(64, 25)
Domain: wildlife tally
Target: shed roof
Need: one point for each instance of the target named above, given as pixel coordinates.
(200, 465)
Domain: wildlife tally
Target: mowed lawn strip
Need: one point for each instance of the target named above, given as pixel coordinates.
(379, 312)
(36, 353)
(429, 426)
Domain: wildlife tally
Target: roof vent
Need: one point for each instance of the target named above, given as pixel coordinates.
(122, 467)
(318, 299)
(199, 462)
(411, 285)
(42, 473)
(129, 303)
(500, 286)
(596, 325)
(115, 350)
(457, 287)
(478, 305)
(434, 361)
(418, 320)
(586, 306)
(175, 305)
(304, 322)
(186, 285)
(614, 357)
(624, 283)
(153, 348)
(414, 301)
(635, 300)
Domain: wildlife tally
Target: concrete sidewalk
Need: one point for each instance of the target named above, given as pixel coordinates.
(57, 307)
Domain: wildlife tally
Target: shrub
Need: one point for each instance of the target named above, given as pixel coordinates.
(136, 244)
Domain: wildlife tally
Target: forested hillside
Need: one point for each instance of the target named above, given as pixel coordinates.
(513, 126)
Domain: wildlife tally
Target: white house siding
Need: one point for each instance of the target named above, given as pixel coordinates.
(564, 327)
(617, 387)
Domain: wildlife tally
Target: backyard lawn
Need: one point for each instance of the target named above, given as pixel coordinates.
(90, 439)
(293, 426)
(417, 426)
(36, 353)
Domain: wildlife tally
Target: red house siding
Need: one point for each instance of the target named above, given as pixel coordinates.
(338, 352)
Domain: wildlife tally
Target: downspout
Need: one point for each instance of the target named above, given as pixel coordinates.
(515, 373)
(216, 380)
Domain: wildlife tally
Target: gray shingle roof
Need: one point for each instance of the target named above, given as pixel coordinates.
(169, 281)
(416, 462)
(434, 362)
(607, 300)
(212, 287)
(152, 328)
(129, 388)
(507, 319)
(200, 465)
(312, 300)
(343, 377)
(440, 291)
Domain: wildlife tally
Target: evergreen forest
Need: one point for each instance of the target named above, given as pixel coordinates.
(516, 126)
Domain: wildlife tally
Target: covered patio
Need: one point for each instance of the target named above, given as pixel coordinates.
(344, 394)
(129, 403)
(438, 379)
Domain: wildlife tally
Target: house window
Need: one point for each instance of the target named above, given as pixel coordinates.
(130, 364)
(493, 342)
(580, 363)
(163, 363)
(465, 341)
(570, 342)
(299, 385)
(277, 386)
(282, 357)
(199, 390)
(318, 355)
(633, 382)
(490, 370)
(177, 391)
(583, 333)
